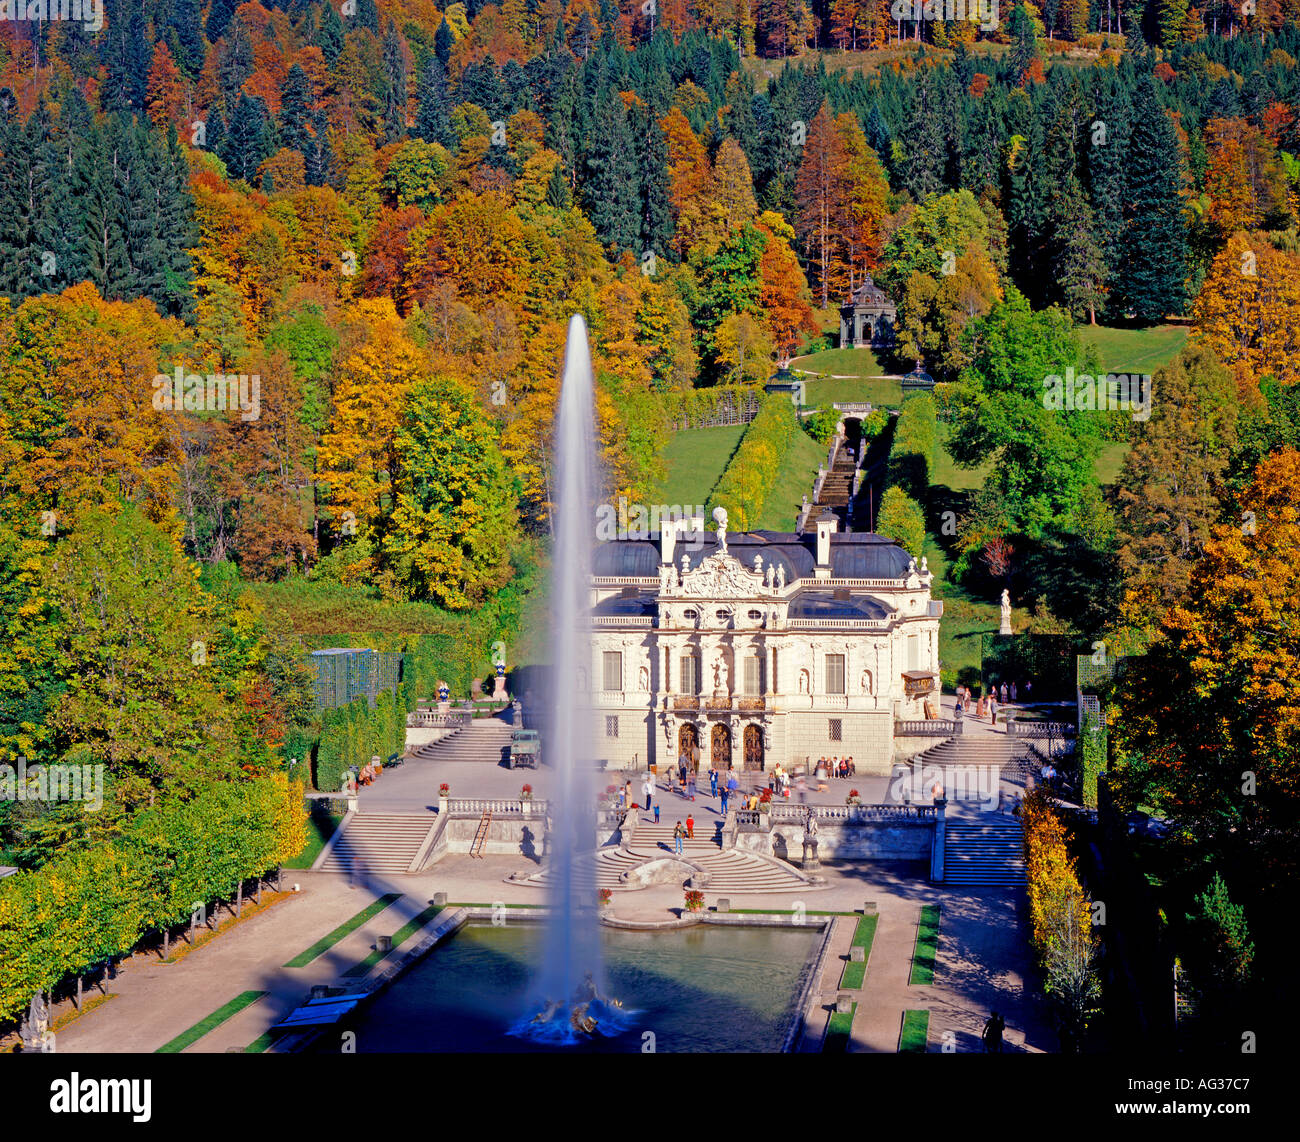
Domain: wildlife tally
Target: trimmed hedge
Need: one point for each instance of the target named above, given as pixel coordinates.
(87, 906)
(353, 734)
(916, 441)
(744, 486)
(694, 408)
(900, 518)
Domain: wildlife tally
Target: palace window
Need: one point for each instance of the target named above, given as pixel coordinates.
(913, 652)
(690, 674)
(753, 675)
(611, 726)
(755, 616)
(836, 730)
(835, 674)
(613, 670)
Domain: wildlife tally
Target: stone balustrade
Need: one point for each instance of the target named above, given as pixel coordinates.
(1019, 729)
(430, 719)
(928, 727)
(477, 806)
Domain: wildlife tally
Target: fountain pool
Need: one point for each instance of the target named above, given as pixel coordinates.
(706, 989)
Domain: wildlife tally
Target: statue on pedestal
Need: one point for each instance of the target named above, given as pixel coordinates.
(1005, 628)
(720, 516)
(780, 576)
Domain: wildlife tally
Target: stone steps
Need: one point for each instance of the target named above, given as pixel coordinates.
(987, 853)
(377, 842)
(482, 741)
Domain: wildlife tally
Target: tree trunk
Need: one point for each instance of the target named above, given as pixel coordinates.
(239, 899)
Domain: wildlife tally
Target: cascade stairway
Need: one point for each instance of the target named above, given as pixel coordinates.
(1011, 755)
(377, 842)
(485, 739)
(729, 870)
(837, 488)
(987, 852)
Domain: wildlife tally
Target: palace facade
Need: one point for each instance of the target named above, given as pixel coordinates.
(759, 648)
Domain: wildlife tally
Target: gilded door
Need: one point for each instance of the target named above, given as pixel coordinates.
(721, 747)
(688, 743)
(753, 747)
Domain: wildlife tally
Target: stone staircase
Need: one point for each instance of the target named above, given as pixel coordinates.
(1011, 756)
(383, 843)
(729, 870)
(485, 739)
(837, 488)
(988, 852)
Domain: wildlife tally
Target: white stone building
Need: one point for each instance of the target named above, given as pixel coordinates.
(759, 648)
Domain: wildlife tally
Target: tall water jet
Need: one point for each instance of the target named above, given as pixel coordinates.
(571, 970)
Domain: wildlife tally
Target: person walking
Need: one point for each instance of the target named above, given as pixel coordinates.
(1013, 691)
(656, 814)
(993, 1033)
(690, 785)
(690, 826)
(648, 788)
(1029, 691)
(724, 801)
(993, 710)
(681, 769)
(713, 782)
(1004, 693)
(678, 834)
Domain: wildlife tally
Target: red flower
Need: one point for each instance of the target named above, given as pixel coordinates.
(853, 792)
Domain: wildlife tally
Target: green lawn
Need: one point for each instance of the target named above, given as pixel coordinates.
(694, 459)
(837, 1031)
(949, 475)
(927, 945)
(881, 393)
(320, 827)
(842, 363)
(855, 973)
(1111, 460)
(345, 929)
(1135, 350)
(916, 1030)
(794, 480)
(213, 1021)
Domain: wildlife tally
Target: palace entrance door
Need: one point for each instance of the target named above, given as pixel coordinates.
(721, 747)
(688, 743)
(753, 747)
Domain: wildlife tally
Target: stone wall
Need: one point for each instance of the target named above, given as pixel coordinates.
(870, 840)
(507, 836)
(865, 736)
(420, 735)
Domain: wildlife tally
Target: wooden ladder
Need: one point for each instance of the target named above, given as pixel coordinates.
(480, 837)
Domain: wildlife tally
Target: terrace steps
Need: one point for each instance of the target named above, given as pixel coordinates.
(377, 842)
(483, 740)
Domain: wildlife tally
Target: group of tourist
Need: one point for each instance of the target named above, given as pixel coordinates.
(998, 694)
(836, 767)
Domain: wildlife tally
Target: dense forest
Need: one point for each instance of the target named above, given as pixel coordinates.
(385, 213)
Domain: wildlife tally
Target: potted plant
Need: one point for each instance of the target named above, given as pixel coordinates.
(853, 798)
(604, 901)
(765, 801)
(526, 797)
(444, 790)
(694, 900)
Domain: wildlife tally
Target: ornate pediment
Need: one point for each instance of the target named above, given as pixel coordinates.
(720, 577)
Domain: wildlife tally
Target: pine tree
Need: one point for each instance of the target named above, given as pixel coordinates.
(219, 16)
(395, 101)
(1152, 281)
(656, 211)
(1080, 268)
(442, 42)
(923, 139)
(612, 188)
(245, 142)
(433, 117)
(557, 190)
(368, 15)
(329, 35)
(295, 102)
(187, 19)
(1106, 155)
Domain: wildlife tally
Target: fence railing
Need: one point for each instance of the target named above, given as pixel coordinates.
(431, 719)
(751, 820)
(477, 806)
(928, 727)
(1019, 729)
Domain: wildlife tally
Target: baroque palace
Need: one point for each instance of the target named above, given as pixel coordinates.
(759, 649)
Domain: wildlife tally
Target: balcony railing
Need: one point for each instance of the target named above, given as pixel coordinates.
(786, 813)
(431, 719)
(927, 727)
(1019, 729)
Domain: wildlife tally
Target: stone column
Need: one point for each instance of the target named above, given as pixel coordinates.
(937, 842)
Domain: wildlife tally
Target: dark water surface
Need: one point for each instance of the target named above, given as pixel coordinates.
(701, 989)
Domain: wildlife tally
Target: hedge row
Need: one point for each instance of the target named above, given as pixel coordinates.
(721, 404)
(83, 908)
(916, 441)
(353, 734)
(748, 479)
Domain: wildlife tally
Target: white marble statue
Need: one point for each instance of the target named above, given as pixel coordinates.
(767, 575)
(720, 517)
(780, 576)
(758, 565)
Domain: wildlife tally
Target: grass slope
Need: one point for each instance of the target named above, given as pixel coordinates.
(1135, 350)
(694, 459)
(213, 1021)
(837, 1031)
(855, 973)
(794, 480)
(345, 929)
